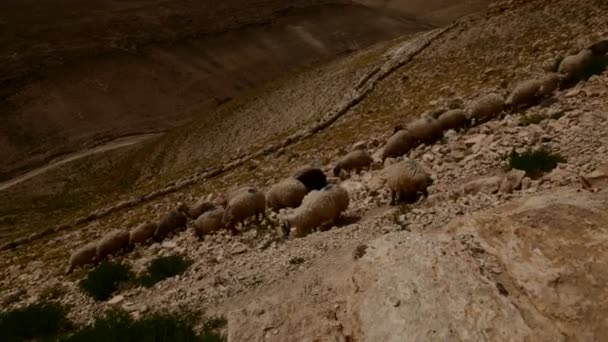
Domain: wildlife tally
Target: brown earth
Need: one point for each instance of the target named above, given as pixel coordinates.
(100, 93)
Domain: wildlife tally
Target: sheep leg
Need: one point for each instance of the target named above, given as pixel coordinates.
(232, 229)
(393, 193)
(425, 193)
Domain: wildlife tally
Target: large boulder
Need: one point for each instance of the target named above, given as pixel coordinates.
(531, 270)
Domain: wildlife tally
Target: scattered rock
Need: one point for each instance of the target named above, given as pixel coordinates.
(512, 181)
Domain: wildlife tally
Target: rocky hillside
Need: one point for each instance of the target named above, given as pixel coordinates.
(490, 255)
(180, 64)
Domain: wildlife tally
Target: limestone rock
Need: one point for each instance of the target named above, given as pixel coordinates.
(486, 185)
(512, 181)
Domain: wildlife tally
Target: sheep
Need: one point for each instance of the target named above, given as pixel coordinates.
(572, 67)
(197, 209)
(242, 206)
(485, 108)
(425, 130)
(288, 193)
(82, 256)
(397, 145)
(318, 207)
(600, 48)
(548, 84)
(112, 243)
(142, 233)
(233, 191)
(524, 94)
(312, 178)
(354, 160)
(406, 179)
(209, 222)
(452, 119)
(174, 220)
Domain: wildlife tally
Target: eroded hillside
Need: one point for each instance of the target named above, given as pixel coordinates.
(506, 269)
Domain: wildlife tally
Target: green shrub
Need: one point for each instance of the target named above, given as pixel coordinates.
(40, 321)
(534, 162)
(103, 280)
(119, 326)
(164, 267)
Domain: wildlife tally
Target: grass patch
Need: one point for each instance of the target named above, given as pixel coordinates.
(36, 321)
(529, 119)
(118, 325)
(164, 267)
(534, 162)
(103, 280)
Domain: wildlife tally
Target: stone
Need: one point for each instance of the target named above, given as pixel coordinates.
(596, 180)
(169, 244)
(116, 300)
(485, 185)
(512, 181)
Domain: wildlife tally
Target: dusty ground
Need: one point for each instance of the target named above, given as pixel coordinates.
(473, 58)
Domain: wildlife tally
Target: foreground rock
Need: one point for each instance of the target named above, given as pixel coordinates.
(531, 270)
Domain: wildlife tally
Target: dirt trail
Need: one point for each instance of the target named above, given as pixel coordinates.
(112, 145)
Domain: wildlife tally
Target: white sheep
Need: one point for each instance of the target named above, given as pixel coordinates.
(173, 221)
(142, 233)
(452, 119)
(197, 209)
(399, 144)
(525, 93)
(571, 67)
(242, 206)
(485, 107)
(82, 256)
(425, 130)
(112, 243)
(355, 160)
(548, 84)
(313, 178)
(209, 222)
(288, 193)
(406, 179)
(318, 207)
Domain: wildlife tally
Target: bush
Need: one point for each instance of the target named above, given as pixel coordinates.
(40, 321)
(103, 280)
(117, 325)
(164, 267)
(535, 163)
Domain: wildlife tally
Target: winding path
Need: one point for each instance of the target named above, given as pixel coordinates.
(112, 145)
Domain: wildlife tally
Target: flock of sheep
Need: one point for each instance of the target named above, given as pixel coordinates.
(307, 201)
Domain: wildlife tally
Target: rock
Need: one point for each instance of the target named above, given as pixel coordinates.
(116, 300)
(169, 244)
(598, 179)
(512, 181)
(486, 185)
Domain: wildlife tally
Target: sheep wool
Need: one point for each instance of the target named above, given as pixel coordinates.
(82, 256)
(406, 179)
(174, 220)
(242, 206)
(573, 66)
(313, 178)
(355, 160)
(425, 130)
(318, 207)
(209, 222)
(288, 193)
(486, 107)
(548, 84)
(197, 209)
(112, 243)
(452, 119)
(397, 145)
(142, 233)
(524, 94)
